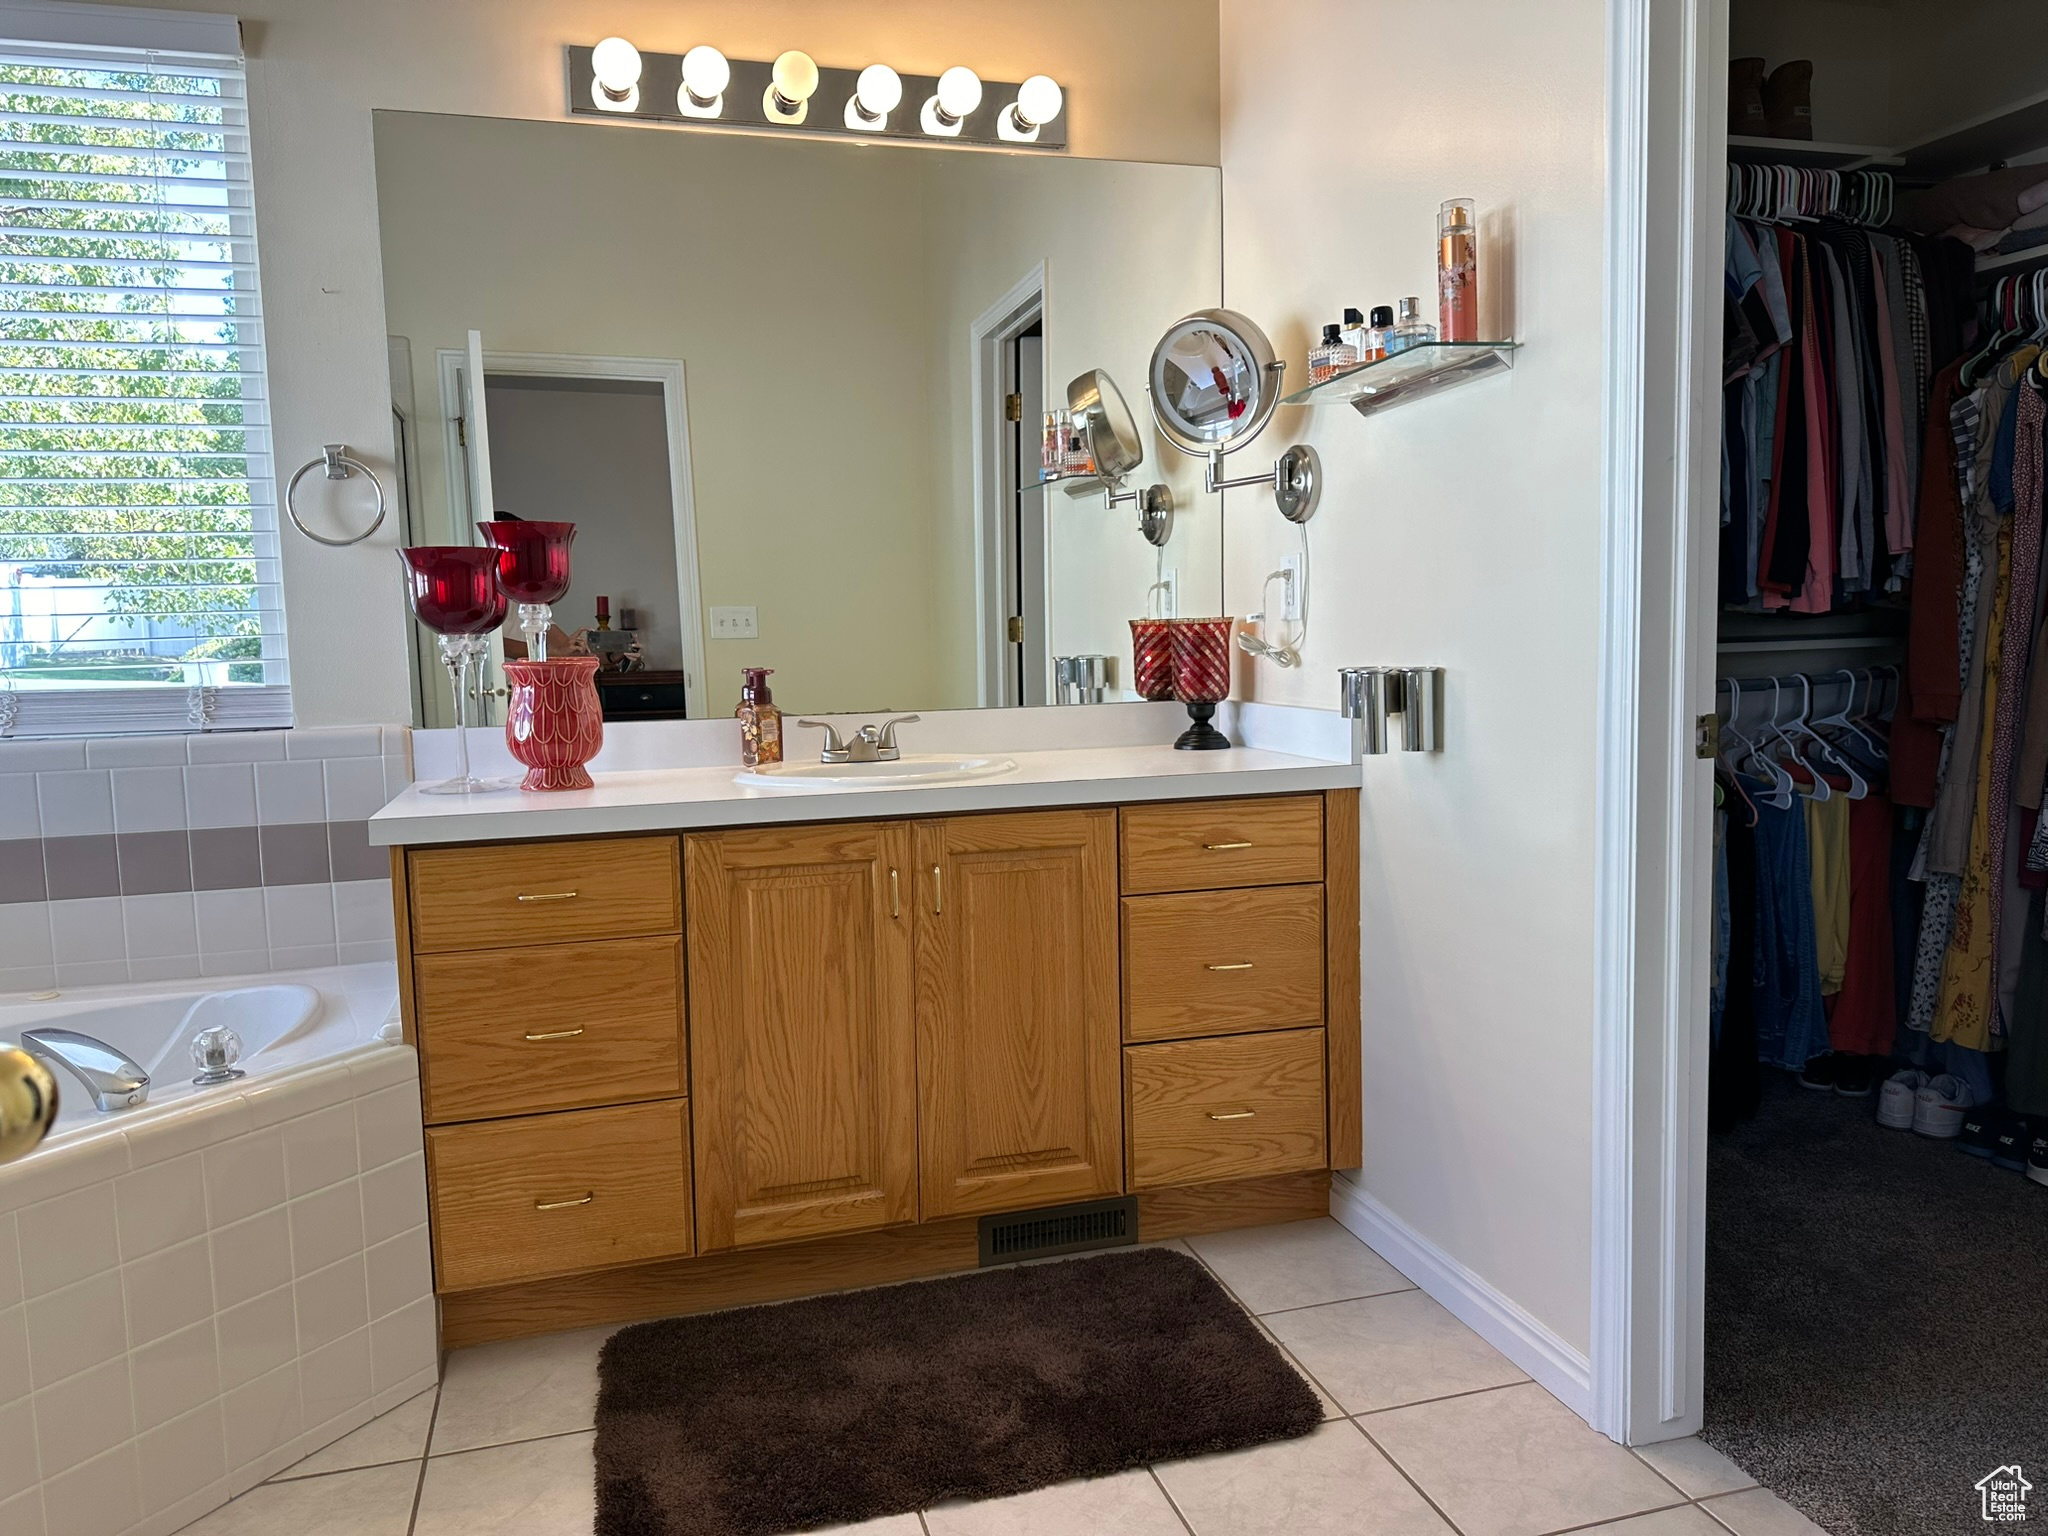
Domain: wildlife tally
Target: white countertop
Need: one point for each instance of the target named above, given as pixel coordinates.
(670, 799)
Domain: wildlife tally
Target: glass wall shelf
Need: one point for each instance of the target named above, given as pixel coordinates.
(1421, 370)
(1073, 484)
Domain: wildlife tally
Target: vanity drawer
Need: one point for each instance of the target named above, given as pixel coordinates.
(526, 893)
(554, 1194)
(1219, 962)
(558, 1026)
(1196, 1111)
(1208, 845)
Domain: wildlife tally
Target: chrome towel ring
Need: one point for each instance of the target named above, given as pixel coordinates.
(340, 464)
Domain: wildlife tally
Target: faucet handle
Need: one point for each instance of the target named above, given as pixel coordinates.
(834, 747)
(887, 739)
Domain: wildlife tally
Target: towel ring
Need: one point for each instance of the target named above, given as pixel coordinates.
(340, 464)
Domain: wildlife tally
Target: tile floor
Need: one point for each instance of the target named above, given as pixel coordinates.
(1427, 1431)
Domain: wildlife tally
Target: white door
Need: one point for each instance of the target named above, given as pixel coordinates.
(1031, 660)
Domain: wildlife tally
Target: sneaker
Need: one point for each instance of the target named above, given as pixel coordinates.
(1819, 1073)
(1938, 1108)
(1855, 1076)
(1980, 1129)
(1895, 1099)
(2009, 1146)
(2037, 1155)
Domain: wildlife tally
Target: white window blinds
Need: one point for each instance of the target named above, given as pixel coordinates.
(139, 583)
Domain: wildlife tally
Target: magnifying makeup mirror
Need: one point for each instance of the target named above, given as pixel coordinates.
(1113, 439)
(1214, 383)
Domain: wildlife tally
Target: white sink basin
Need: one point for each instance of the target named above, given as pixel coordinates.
(907, 769)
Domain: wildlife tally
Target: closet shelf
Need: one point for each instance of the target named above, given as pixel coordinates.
(2002, 261)
(1421, 370)
(1997, 135)
(1809, 152)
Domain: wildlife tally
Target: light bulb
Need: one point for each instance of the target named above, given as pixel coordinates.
(791, 84)
(1038, 101)
(705, 74)
(878, 91)
(959, 91)
(615, 64)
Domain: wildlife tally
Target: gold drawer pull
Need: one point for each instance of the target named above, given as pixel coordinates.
(555, 1034)
(1220, 847)
(1238, 965)
(547, 896)
(895, 895)
(562, 1205)
(1235, 1114)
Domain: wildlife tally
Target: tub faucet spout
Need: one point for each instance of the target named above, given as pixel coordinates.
(112, 1079)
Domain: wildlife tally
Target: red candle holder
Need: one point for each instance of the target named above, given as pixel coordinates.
(1152, 658)
(553, 721)
(533, 571)
(453, 590)
(1201, 678)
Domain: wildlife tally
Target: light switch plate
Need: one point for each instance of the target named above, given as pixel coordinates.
(734, 624)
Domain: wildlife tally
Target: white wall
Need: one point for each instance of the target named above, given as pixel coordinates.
(1462, 531)
(1143, 89)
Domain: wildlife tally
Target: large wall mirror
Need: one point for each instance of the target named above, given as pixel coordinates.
(792, 392)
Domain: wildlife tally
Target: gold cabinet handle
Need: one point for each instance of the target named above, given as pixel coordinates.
(938, 891)
(562, 1205)
(554, 1034)
(1235, 1114)
(895, 895)
(547, 896)
(1223, 847)
(1235, 965)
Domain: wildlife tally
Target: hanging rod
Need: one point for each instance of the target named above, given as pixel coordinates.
(1842, 643)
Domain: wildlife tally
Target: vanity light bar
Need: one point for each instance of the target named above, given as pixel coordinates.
(705, 89)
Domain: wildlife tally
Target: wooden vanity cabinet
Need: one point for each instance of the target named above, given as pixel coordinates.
(804, 1054)
(664, 1072)
(1017, 1010)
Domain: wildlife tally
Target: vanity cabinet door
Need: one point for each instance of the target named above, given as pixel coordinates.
(1018, 1050)
(802, 1039)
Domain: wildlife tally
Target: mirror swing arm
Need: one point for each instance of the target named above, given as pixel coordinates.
(1295, 479)
(1214, 382)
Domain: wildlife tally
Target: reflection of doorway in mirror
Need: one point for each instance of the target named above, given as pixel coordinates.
(601, 442)
(1011, 517)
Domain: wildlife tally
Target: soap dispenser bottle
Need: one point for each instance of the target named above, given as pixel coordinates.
(760, 720)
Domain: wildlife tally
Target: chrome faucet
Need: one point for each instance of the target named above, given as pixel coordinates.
(112, 1079)
(870, 744)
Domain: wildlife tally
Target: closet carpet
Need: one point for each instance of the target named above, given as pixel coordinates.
(880, 1402)
(1877, 1317)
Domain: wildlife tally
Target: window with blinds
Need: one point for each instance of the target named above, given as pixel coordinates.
(139, 584)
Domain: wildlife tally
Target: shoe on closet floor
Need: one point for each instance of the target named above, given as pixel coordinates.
(1855, 1076)
(1980, 1129)
(1895, 1100)
(2009, 1146)
(1938, 1108)
(2037, 1155)
(1820, 1073)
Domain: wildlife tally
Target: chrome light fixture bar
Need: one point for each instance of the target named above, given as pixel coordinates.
(703, 88)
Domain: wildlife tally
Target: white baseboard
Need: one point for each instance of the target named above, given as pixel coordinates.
(1553, 1364)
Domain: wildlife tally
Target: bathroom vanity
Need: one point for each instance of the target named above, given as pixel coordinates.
(664, 1069)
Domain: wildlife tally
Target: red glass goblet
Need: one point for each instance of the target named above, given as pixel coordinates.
(1152, 658)
(453, 590)
(533, 571)
(1201, 678)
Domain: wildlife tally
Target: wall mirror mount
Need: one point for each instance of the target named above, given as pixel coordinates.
(1214, 382)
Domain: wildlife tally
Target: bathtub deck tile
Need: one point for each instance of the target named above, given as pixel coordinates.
(277, 1102)
(244, 1176)
(10, 1261)
(62, 1170)
(194, 1127)
(14, 1379)
(23, 1515)
(320, 1147)
(68, 1239)
(159, 1205)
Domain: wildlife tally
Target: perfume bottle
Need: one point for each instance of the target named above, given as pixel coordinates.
(1376, 334)
(1052, 445)
(1330, 356)
(1356, 334)
(1410, 329)
(1457, 271)
(760, 720)
(1080, 457)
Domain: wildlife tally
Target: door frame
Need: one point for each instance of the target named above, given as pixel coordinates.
(667, 372)
(999, 324)
(1666, 200)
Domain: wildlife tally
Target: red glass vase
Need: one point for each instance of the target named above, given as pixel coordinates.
(553, 722)
(1152, 658)
(1201, 678)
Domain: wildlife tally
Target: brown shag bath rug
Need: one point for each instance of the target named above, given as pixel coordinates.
(879, 1402)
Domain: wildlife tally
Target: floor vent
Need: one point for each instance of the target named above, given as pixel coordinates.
(1058, 1229)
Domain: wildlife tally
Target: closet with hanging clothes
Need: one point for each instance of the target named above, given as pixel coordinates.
(1880, 880)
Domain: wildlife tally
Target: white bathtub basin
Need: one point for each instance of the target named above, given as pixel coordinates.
(918, 769)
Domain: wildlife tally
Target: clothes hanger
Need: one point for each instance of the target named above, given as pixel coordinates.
(1858, 786)
(1847, 718)
(2004, 333)
(1783, 785)
(1724, 768)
